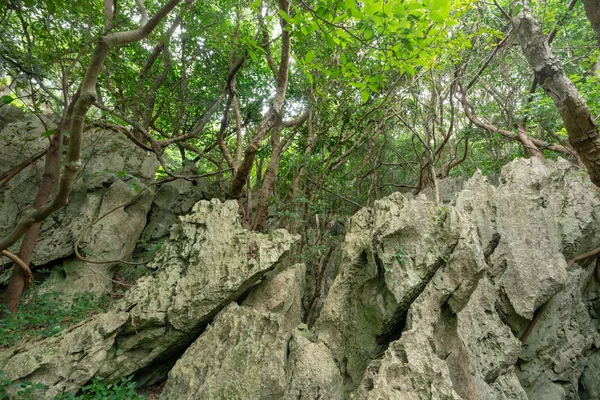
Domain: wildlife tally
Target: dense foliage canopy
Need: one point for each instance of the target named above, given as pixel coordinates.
(313, 107)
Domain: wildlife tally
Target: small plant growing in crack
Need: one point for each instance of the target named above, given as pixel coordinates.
(442, 216)
(400, 256)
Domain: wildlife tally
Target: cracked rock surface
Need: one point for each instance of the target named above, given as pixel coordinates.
(430, 302)
(114, 171)
(208, 262)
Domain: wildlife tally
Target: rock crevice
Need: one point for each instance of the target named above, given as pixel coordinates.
(428, 302)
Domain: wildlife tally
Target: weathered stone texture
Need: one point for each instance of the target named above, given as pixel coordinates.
(429, 303)
(208, 262)
(114, 172)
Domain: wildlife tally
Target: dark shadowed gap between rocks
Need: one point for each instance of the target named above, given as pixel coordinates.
(397, 323)
(157, 372)
(395, 326)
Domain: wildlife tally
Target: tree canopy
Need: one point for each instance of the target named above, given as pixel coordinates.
(315, 107)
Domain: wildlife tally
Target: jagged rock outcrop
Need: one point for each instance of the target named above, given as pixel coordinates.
(430, 302)
(114, 173)
(448, 189)
(394, 256)
(258, 350)
(240, 356)
(9, 114)
(176, 198)
(248, 341)
(208, 262)
(468, 348)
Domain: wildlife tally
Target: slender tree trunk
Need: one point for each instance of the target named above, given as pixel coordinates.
(592, 10)
(579, 123)
(268, 183)
(298, 181)
(272, 116)
(248, 207)
(29, 226)
(18, 280)
(454, 161)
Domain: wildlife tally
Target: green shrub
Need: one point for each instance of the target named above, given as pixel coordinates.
(47, 314)
(24, 390)
(4, 384)
(97, 390)
(131, 273)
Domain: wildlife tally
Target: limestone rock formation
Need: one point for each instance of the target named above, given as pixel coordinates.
(430, 302)
(468, 348)
(240, 356)
(176, 198)
(249, 342)
(258, 350)
(113, 174)
(208, 262)
(403, 263)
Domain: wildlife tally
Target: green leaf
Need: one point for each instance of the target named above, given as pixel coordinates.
(309, 57)
(371, 7)
(369, 32)
(329, 40)
(309, 77)
(7, 99)
(48, 133)
(364, 95)
(440, 10)
(335, 73)
(517, 8)
(351, 9)
(286, 17)
(323, 12)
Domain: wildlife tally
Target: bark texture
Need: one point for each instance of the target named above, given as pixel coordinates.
(273, 115)
(579, 123)
(19, 279)
(592, 11)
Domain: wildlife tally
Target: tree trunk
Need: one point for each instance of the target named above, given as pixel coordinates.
(298, 181)
(273, 115)
(269, 181)
(592, 10)
(579, 123)
(18, 279)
